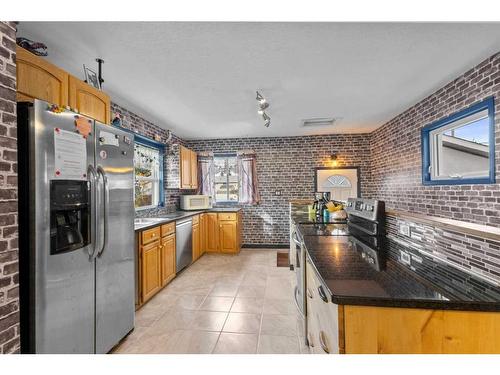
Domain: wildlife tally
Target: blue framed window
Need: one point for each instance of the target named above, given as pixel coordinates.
(460, 149)
(148, 173)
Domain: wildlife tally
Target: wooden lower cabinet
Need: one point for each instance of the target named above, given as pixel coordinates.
(393, 330)
(378, 330)
(212, 234)
(196, 242)
(150, 270)
(203, 233)
(167, 259)
(221, 232)
(228, 237)
(212, 231)
(156, 260)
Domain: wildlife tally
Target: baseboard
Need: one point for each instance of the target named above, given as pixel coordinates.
(266, 246)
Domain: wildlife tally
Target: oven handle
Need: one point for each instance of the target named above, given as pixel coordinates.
(322, 294)
(296, 292)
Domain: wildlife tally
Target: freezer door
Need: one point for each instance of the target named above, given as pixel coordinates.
(61, 301)
(115, 294)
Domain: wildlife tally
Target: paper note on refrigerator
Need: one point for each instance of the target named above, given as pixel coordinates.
(70, 154)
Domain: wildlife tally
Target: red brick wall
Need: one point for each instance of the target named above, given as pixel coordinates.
(396, 156)
(9, 280)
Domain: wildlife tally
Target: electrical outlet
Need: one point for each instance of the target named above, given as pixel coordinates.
(405, 257)
(277, 192)
(404, 229)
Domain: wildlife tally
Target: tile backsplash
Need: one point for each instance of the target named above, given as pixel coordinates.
(471, 254)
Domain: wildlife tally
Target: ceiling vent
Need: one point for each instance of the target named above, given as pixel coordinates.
(319, 121)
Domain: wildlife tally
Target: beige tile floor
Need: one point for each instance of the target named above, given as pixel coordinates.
(222, 304)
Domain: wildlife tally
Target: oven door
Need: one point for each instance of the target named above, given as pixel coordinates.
(300, 276)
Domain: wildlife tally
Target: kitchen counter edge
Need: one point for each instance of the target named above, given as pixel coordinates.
(181, 215)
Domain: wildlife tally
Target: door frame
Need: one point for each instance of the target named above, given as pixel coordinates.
(358, 174)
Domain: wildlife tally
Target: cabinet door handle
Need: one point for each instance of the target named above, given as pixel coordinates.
(322, 342)
(322, 293)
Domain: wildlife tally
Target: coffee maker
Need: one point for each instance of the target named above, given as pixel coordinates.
(69, 215)
(320, 201)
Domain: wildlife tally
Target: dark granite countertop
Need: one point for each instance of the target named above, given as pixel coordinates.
(154, 220)
(357, 274)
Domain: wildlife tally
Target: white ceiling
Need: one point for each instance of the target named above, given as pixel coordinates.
(199, 79)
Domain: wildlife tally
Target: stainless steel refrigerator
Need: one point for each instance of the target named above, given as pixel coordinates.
(76, 223)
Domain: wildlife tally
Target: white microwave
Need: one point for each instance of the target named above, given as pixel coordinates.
(195, 202)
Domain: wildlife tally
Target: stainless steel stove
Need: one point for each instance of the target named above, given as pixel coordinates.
(364, 228)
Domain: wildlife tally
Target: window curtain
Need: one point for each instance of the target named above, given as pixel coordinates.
(249, 185)
(206, 175)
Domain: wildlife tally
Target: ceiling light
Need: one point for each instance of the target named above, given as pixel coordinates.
(263, 104)
(260, 98)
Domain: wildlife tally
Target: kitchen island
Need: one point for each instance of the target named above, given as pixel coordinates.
(380, 296)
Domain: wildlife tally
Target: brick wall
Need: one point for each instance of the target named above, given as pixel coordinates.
(396, 155)
(146, 128)
(287, 164)
(9, 276)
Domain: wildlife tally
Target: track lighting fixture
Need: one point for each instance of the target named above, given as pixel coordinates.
(263, 105)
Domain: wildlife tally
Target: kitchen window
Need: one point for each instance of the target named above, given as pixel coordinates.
(226, 178)
(460, 149)
(148, 171)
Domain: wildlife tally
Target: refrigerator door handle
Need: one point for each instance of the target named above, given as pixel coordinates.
(92, 178)
(101, 172)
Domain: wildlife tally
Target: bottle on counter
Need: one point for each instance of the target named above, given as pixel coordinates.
(326, 216)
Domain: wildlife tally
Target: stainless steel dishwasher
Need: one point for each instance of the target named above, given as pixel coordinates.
(184, 243)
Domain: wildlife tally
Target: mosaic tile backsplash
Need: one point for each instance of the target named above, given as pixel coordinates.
(471, 254)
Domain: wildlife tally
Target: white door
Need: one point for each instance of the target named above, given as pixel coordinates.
(341, 183)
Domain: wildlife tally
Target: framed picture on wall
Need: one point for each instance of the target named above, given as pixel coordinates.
(341, 182)
(91, 77)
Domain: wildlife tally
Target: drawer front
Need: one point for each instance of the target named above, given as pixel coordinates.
(226, 216)
(167, 229)
(150, 235)
(196, 219)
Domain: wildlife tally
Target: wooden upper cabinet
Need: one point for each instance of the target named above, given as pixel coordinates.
(39, 79)
(89, 101)
(185, 167)
(194, 170)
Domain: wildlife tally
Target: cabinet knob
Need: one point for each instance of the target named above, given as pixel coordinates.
(154, 234)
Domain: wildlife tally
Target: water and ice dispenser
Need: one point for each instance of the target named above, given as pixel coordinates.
(70, 212)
